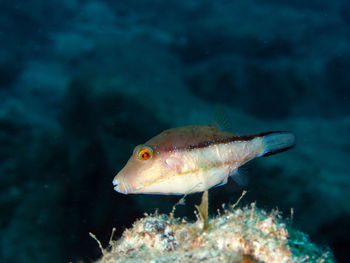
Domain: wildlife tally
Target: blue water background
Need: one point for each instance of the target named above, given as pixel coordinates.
(82, 82)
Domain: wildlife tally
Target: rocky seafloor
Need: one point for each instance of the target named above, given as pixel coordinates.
(235, 235)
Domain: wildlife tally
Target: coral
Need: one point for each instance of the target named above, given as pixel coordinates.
(236, 235)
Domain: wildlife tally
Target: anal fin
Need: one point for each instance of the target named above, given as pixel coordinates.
(223, 182)
(239, 177)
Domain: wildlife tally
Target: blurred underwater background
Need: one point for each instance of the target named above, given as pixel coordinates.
(82, 82)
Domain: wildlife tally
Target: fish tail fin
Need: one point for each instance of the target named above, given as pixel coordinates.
(277, 141)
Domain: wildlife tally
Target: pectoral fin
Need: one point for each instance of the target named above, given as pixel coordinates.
(174, 164)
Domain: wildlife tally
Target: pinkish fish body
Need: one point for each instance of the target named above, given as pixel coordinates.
(193, 159)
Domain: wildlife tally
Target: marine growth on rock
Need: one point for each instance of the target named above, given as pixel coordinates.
(246, 235)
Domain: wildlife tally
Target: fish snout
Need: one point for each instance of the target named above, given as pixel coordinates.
(119, 184)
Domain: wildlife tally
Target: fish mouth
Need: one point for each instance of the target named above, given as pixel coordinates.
(116, 184)
(115, 181)
(119, 185)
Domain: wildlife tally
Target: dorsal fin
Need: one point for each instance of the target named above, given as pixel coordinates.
(221, 120)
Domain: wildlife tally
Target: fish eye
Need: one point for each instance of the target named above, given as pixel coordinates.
(145, 153)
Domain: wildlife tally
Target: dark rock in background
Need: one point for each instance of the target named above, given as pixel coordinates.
(259, 94)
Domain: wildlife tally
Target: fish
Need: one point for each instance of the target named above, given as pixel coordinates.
(193, 159)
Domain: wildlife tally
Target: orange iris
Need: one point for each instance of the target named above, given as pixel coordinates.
(145, 153)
